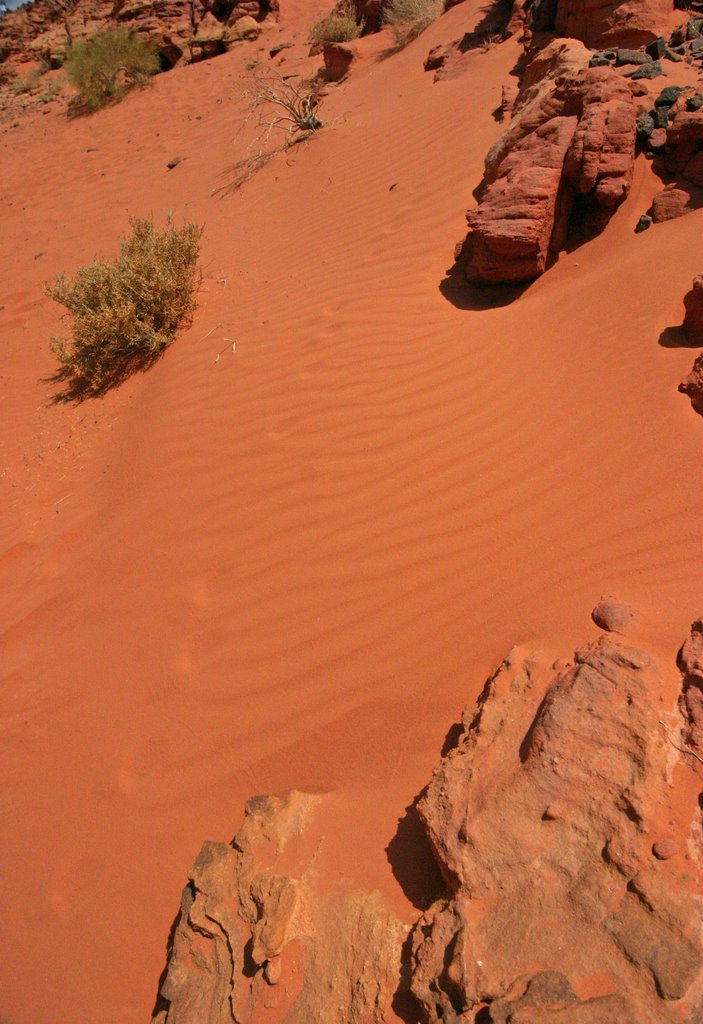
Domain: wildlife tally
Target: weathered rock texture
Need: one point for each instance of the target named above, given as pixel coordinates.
(598, 23)
(569, 849)
(602, 23)
(691, 665)
(693, 385)
(256, 936)
(571, 144)
(542, 820)
(693, 304)
(673, 131)
(182, 30)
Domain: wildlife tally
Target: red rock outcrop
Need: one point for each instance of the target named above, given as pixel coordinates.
(573, 142)
(182, 30)
(678, 147)
(601, 23)
(691, 665)
(542, 820)
(693, 385)
(569, 851)
(693, 304)
(597, 23)
(255, 935)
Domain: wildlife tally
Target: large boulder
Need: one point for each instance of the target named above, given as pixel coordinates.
(693, 387)
(542, 820)
(693, 304)
(257, 933)
(597, 23)
(570, 144)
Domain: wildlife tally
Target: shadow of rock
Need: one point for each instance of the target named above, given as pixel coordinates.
(674, 337)
(469, 296)
(412, 861)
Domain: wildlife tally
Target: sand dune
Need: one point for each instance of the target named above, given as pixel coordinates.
(292, 565)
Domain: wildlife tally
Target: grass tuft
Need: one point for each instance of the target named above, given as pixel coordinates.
(341, 25)
(408, 18)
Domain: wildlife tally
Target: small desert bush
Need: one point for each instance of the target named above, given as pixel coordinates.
(408, 18)
(25, 83)
(107, 66)
(339, 26)
(125, 311)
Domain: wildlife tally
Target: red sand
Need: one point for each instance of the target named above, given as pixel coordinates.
(294, 565)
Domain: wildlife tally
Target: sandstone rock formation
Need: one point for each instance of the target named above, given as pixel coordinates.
(693, 304)
(338, 59)
(567, 833)
(255, 935)
(693, 385)
(691, 665)
(571, 143)
(597, 23)
(613, 22)
(182, 30)
(542, 820)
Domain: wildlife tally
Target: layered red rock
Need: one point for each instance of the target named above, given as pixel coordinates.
(542, 820)
(574, 141)
(693, 318)
(682, 156)
(601, 23)
(256, 934)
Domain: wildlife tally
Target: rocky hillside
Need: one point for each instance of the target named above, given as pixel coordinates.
(428, 411)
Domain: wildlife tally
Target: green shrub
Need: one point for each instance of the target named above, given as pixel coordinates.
(107, 66)
(408, 18)
(127, 310)
(339, 26)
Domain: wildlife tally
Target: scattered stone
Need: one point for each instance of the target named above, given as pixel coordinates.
(675, 200)
(599, 61)
(643, 224)
(274, 51)
(174, 162)
(657, 48)
(693, 28)
(653, 70)
(673, 56)
(660, 117)
(665, 849)
(612, 616)
(668, 96)
(694, 102)
(623, 57)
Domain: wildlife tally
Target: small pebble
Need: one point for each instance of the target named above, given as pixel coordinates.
(664, 849)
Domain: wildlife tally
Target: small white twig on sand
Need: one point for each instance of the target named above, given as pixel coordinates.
(234, 348)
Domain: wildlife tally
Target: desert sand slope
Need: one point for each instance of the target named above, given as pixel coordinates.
(292, 566)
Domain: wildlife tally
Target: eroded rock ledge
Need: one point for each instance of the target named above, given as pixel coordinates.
(565, 822)
(570, 144)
